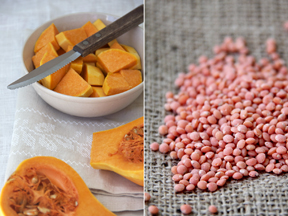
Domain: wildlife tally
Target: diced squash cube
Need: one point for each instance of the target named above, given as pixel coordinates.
(89, 28)
(49, 48)
(100, 25)
(90, 58)
(97, 92)
(114, 60)
(74, 85)
(133, 77)
(135, 53)
(47, 36)
(77, 64)
(98, 51)
(70, 37)
(116, 45)
(52, 80)
(93, 75)
(115, 83)
(101, 68)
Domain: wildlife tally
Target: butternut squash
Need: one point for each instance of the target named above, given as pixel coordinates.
(133, 77)
(114, 60)
(93, 75)
(70, 37)
(77, 64)
(49, 48)
(114, 84)
(97, 92)
(52, 80)
(42, 185)
(48, 35)
(135, 53)
(89, 28)
(90, 58)
(74, 85)
(116, 45)
(120, 150)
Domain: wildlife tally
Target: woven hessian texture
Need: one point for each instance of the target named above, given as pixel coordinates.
(177, 33)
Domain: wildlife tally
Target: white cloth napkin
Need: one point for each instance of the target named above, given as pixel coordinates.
(42, 130)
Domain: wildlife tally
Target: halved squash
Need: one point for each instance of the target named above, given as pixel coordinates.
(48, 186)
(115, 150)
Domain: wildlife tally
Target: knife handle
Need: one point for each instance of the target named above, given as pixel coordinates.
(110, 32)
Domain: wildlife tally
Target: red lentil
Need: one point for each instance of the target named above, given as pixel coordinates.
(153, 210)
(213, 209)
(229, 118)
(186, 209)
(147, 196)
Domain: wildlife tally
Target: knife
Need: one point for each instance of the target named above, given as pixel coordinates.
(89, 45)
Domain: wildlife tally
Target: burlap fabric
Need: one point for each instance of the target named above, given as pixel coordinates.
(177, 33)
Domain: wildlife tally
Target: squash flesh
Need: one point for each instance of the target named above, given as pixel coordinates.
(104, 153)
(62, 175)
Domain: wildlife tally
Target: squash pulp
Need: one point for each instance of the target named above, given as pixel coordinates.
(48, 186)
(105, 153)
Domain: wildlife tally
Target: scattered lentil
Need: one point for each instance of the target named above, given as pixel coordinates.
(153, 210)
(213, 209)
(229, 119)
(147, 196)
(186, 209)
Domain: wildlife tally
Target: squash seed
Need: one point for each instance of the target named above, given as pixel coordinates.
(31, 212)
(43, 210)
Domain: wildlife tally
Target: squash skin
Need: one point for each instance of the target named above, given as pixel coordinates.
(106, 143)
(87, 203)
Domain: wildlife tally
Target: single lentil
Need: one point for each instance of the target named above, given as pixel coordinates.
(186, 209)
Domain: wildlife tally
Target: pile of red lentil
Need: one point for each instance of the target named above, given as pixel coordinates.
(229, 118)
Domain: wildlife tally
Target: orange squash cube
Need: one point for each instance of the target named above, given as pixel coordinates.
(77, 64)
(70, 37)
(116, 45)
(114, 60)
(48, 35)
(49, 48)
(133, 77)
(90, 58)
(97, 92)
(115, 83)
(74, 85)
(135, 53)
(52, 80)
(93, 75)
(89, 28)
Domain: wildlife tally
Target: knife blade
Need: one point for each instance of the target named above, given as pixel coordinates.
(89, 45)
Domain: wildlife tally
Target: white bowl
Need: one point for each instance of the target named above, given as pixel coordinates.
(81, 106)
